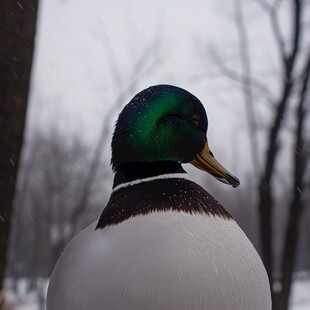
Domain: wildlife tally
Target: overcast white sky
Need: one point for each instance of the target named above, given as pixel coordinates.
(79, 42)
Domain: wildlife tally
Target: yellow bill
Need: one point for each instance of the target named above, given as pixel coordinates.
(206, 162)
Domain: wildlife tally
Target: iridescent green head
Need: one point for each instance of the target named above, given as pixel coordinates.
(161, 123)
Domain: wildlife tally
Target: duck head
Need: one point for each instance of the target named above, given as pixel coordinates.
(165, 123)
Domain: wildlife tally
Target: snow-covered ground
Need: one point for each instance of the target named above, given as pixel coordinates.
(300, 299)
(29, 300)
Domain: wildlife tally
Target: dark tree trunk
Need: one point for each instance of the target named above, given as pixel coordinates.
(265, 191)
(17, 33)
(301, 158)
(265, 204)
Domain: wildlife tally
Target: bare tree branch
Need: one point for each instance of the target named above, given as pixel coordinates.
(272, 12)
(140, 69)
(239, 78)
(301, 159)
(246, 84)
(266, 203)
(276, 29)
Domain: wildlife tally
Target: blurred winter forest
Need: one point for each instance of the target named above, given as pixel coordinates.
(248, 62)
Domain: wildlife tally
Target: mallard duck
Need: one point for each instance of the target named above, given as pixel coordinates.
(162, 241)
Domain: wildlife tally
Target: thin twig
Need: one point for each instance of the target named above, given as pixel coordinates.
(240, 78)
(246, 84)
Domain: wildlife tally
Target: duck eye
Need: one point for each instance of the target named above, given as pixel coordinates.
(195, 119)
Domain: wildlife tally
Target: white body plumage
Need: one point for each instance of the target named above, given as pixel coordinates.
(162, 260)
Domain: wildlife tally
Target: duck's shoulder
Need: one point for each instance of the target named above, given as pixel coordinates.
(160, 194)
